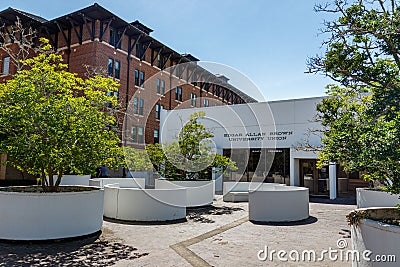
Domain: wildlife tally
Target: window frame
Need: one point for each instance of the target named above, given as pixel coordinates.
(141, 106)
(110, 67)
(162, 87)
(135, 105)
(140, 137)
(136, 77)
(156, 138)
(158, 86)
(134, 137)
(141, 79)
(117, 70)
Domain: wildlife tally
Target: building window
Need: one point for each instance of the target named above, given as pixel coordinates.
(141, 104)
(159, 60)
(162, 87)
(141, 79)
(193, 98)
(6, 65)
(135, 105)
(178, 93)
(112, 37)
(110, 67)
(140, 51)
(111, 71)
(206, 102)
(158, 111)
(115, 37)
(117, 69)
(137, 77)
(133, 134)
(140, 132)
(156, 138)
(158, 86)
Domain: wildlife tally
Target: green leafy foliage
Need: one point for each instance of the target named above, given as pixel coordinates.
(53, 122)
(361, 117)
(191, 156)
(137, 160)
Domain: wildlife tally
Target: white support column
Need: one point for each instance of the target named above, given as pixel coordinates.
(218, 178)
(292, 165)
(332, 180)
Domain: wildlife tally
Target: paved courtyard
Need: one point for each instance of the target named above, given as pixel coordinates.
(220, 235)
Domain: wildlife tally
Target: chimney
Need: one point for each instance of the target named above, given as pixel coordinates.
(222, 77)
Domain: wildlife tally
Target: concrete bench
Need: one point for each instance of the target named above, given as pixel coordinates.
(237, 196)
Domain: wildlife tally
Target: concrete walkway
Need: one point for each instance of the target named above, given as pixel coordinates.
(223, 236)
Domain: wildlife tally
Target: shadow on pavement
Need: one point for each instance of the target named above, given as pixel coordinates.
(309, 220)
(89, 251)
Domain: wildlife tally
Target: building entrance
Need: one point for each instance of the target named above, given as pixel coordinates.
(316, 180)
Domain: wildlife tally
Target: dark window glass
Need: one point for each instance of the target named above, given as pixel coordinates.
(110, 67)
(135, 105)
(156, 138)
(193, 98)
(117, 69)
(140, 135)
(157, 111)
(159, 60)
(118, 36)
(162, 87)
(112, 36)
(141, 78)
(133, 134)
(158, 86)
(178, 93)
(140, 51)
(6, 65)
(141, 104)
(137, 77)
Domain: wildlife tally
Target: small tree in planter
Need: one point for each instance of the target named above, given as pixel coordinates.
(191, 156)
(53, 121)
(362, 114)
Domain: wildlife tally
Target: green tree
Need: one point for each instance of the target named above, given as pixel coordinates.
(191, 156)
(137, 160)
(362, 113)
(53, 122)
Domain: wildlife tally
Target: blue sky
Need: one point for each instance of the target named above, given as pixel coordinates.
(268, 41)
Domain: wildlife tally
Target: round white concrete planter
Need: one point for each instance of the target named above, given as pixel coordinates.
(144, 205)
(69, 179)
(377, 237)
(46, 216)
(239, 191)
(367, 198)
(278, 204)
(123, 182)
(199, 193)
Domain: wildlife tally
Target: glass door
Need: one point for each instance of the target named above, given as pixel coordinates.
(316, 180)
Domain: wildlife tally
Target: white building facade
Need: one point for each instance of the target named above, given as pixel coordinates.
(266, 140)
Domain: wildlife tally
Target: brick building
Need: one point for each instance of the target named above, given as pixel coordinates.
(151, 75)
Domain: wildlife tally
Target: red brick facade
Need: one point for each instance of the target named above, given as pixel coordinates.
(83, 39)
